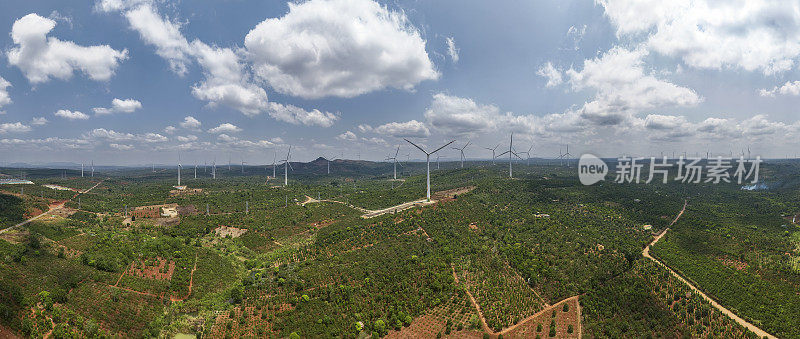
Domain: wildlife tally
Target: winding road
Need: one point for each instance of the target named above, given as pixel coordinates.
(646, 253)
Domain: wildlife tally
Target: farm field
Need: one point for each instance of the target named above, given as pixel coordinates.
(537, 256)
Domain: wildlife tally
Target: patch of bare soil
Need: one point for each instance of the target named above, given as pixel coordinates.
(224, 231)
(447, 195)
(188, 210)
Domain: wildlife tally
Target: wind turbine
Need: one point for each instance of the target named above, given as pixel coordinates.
(394, 159)
(286, 165)
(492, 149)
(81, 170)
(510, 153)
(564, 156)
(195, 171)
(92, 168)
(179, 171)
(243, 166)
(437, 161)
(214, 169)
(428, 163)
(528, 155)
(462, 153)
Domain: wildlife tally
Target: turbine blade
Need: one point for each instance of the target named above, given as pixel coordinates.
(438, 149)
(415, 145)
(501, 154)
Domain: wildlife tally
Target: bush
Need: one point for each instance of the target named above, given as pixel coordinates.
(566, 307)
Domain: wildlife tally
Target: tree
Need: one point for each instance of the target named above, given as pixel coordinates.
(236, 295)
(380, 327)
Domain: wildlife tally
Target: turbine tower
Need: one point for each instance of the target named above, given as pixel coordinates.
(274, 158)
(214, 169)
(195, 171)
(462, 152)
(92, 168)
(243, 166)
(428, 163)
(328, 161)
(81, 170)
(179, 173)
(286, 165)
(492, 149)
(510, 153)
(394, 159)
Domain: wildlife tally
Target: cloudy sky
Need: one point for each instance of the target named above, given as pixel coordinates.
(140, 81)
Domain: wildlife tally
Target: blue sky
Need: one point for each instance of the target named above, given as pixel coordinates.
(140, 81)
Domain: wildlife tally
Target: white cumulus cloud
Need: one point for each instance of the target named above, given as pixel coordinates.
(341, 48)
(119, 106)
(752, 35)
(789, 88)
(191, 123)
(623, 88)
(225, 128)
(457, 116)
(296, 115)
(39, 121)
(161, 33)
(348, 136)
(40, 57)
(5, 99)
(121, 147)
(553, 75)
(409, 129)
(226, 82)
(71, 115)
(14, 127)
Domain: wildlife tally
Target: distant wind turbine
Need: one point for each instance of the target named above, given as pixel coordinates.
(394, 160)
(428, 163)
(528, 155)
(492, 149)
(462, 152)
(286, 165)
(510, 152)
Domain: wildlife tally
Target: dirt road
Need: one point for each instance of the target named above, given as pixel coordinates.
(48, 211)
(646, 253)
